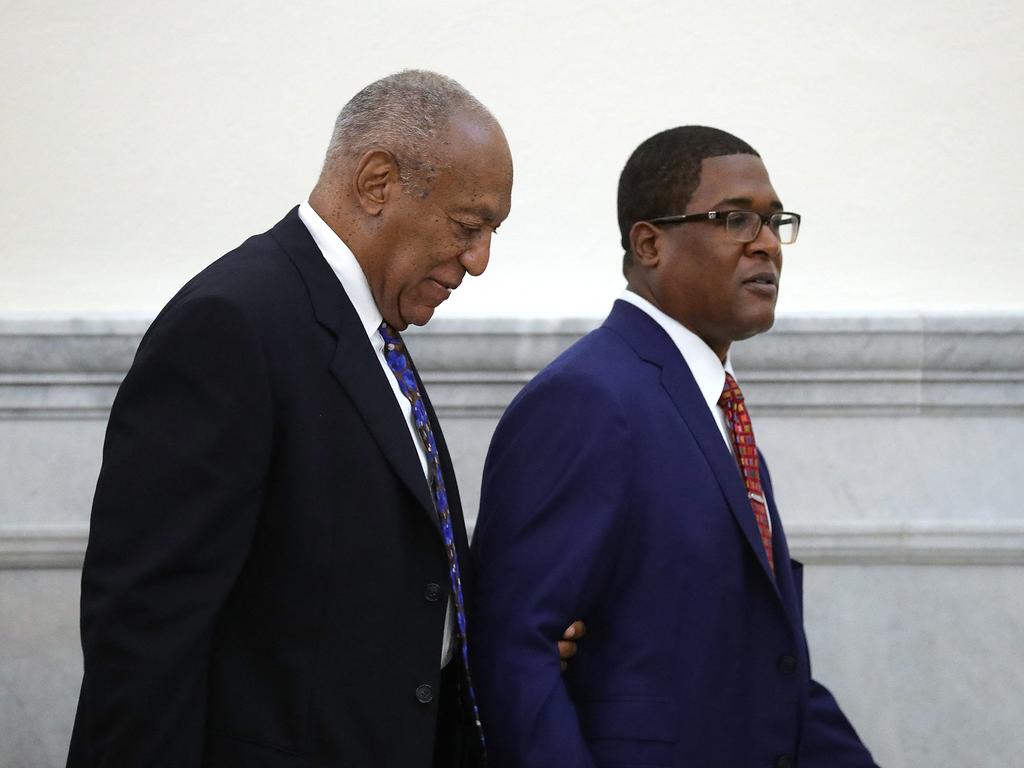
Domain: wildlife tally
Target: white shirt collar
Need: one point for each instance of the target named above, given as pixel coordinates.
(347, 268)
(703, 363)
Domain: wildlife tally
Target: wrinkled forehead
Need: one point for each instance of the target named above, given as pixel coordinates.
(736, 180)
(476, 167)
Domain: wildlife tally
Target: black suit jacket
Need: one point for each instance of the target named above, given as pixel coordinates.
(258, 588)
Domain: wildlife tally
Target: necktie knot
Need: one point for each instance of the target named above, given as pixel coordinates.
(731, 393)
(391, 338)
(397, 360)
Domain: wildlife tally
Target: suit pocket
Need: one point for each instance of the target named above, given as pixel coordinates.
(633, 732)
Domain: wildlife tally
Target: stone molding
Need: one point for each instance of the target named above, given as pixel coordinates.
(23, 547)
(865, 543)
(69, 368)
(807, 367)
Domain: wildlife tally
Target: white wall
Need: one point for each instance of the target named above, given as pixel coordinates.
(141, 140)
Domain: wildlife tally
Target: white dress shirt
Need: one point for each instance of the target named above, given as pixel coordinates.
(356, 287)
(708, 371)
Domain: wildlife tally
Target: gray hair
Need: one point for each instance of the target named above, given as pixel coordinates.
(403, 113)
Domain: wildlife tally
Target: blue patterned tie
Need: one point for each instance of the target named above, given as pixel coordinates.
(398, 362)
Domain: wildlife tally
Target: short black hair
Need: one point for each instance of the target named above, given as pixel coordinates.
(662, 174)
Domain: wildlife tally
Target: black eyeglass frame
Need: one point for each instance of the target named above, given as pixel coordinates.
(723, 217)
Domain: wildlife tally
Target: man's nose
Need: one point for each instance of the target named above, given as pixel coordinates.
(475, 258)
(766, 242)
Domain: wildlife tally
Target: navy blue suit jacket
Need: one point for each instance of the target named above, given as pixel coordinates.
(609, 494)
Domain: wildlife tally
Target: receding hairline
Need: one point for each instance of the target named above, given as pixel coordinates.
(407, 114)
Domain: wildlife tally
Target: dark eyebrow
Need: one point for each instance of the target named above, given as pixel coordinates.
(745, 202)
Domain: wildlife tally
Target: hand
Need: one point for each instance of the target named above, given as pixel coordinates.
(567, 645)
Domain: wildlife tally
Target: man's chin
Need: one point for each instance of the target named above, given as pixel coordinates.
(418, 315)
(755, 325)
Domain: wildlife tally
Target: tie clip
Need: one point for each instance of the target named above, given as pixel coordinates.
(758, 498)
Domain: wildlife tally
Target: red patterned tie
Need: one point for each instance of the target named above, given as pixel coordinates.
(746, 456)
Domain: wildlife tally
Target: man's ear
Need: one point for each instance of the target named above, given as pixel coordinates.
(376, 179)
(644, 242)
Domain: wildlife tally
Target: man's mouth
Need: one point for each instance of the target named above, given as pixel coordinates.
(438, 292)
(763, 284)
(763, 278)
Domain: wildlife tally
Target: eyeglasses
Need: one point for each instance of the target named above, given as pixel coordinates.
(743, 226)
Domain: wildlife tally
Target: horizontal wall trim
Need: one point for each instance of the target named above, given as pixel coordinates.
(839, 543)
(70, 368)
(907, 543)
(42, 546)
(487, 394)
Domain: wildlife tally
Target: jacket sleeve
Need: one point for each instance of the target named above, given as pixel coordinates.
(175, 509)
(553, 498)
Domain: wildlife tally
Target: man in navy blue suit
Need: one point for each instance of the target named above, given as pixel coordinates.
(623, 485)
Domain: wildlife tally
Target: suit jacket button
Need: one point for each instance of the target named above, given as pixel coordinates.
(784, 761)
(787, 665)
(424, 694)
(432, 592)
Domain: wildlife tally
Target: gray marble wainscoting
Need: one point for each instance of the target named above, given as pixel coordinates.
(895, 446)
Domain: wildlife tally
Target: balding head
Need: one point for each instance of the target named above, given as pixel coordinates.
(406, 113)
(417, 178)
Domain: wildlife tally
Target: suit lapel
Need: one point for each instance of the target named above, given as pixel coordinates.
(354, 363)
(651, 343)
(785, 583)
(356, 367)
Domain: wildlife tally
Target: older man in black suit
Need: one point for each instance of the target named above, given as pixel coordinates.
(276, 555)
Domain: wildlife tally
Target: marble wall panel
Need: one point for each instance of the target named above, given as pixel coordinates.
(924, 660)
(893, 445)
(40, 666)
